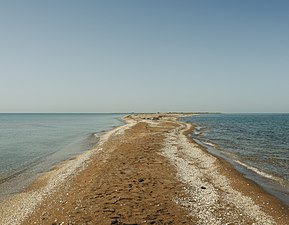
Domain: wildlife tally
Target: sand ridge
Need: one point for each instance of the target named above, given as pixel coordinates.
(128, 183)
(149, 172)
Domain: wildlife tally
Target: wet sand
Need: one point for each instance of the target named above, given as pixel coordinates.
(145, 172)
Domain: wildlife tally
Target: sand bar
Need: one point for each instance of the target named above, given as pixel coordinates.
(145, 172)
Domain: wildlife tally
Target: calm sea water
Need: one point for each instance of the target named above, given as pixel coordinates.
(256, 144)
(34, 143)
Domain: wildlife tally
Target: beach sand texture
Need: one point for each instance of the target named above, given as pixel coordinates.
(145, 172)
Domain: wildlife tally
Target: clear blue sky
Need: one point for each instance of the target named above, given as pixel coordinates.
(149, 55)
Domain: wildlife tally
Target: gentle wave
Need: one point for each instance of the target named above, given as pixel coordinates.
(199, 128)
(209, 143)
(258, 171)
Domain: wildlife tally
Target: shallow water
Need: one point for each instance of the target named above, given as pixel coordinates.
(256, 144)
(34, 143)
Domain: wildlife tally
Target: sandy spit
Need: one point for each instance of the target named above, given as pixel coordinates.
(145, 172)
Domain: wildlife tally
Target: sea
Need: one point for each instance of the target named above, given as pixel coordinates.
(257, 145)
(31, 143)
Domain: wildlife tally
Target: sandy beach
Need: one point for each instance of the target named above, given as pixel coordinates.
(147, 171)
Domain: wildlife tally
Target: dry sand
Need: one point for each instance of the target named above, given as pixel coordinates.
(145, 172)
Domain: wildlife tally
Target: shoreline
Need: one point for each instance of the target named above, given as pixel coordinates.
(241, 170)
(250, 189)
(49, 140)
(265, 181)
(14, 208)
(207, 188)
(270, 183)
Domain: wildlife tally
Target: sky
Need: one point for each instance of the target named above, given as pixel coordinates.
(144, 56)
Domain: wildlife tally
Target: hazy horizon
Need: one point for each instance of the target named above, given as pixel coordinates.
(144, 56)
